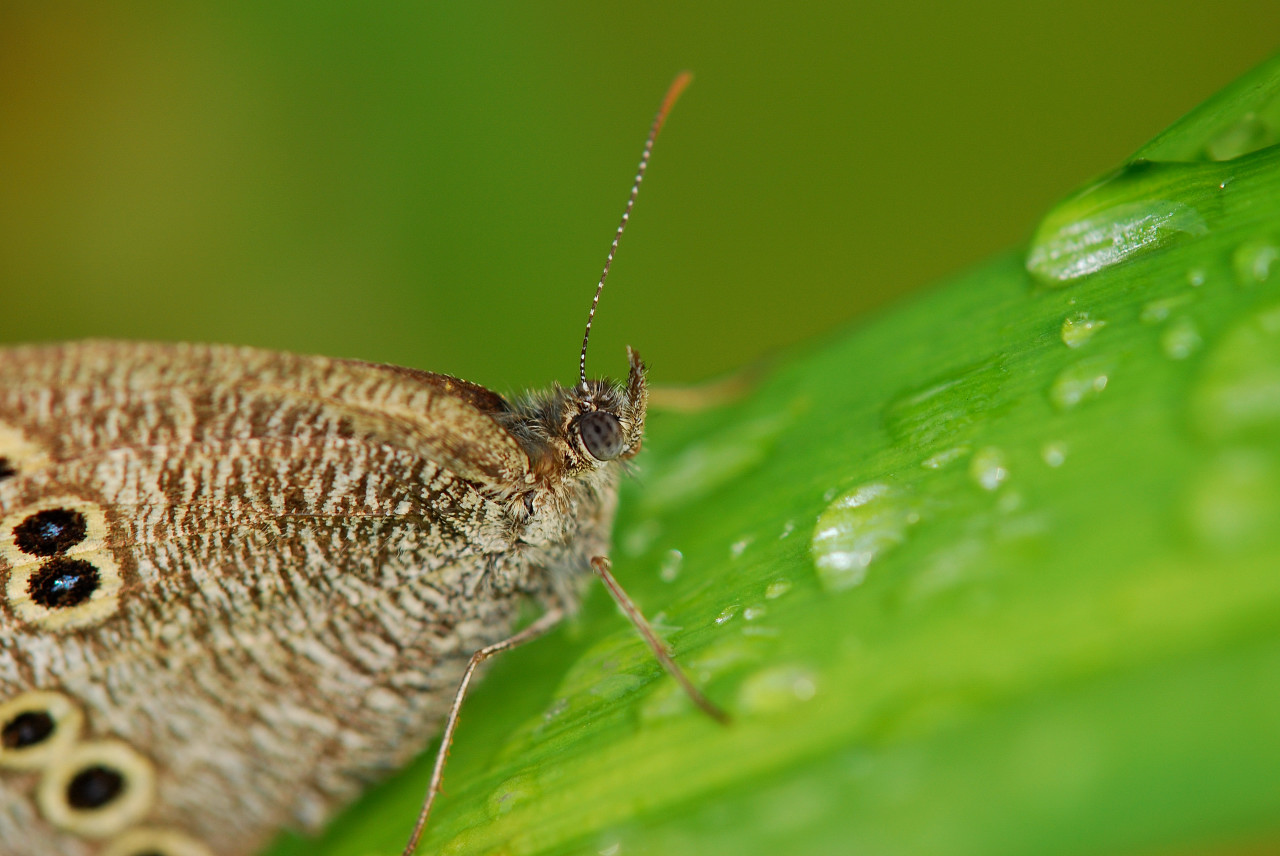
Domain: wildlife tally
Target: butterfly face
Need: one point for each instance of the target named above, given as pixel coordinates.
(574, 433)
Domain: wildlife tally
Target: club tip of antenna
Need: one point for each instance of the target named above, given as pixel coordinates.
(678, 86)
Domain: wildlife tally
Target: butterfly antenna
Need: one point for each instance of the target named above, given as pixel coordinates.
(673, 93)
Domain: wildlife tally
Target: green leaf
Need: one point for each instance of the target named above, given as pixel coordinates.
(996, 572)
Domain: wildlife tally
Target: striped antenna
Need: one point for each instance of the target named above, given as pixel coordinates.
(673, 92)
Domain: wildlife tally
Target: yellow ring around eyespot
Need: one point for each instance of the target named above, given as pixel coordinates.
(101, 605)
(168, 842)
(128, 808)
(21, 567)
(67, 717)
(22, 455)
(94, 535)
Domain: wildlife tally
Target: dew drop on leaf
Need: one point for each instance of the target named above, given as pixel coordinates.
(777, 688)
(1081, 382)
(1137, 209)
(1252, 260)
(855, 529)
(1237, 392)
(988, 468)
(1054, 454)
(1079, 328)
(1180, 339)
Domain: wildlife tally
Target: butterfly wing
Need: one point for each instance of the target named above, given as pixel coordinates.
(235, 585)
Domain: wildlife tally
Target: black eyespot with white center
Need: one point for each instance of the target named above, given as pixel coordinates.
(63, 582)
(50, 532)
(601, 434)
(62, 575)
(95, 787)
(26, 729)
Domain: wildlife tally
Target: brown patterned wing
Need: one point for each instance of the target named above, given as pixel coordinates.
(234, 586)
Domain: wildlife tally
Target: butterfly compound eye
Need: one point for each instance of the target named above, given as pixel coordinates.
(601, 434)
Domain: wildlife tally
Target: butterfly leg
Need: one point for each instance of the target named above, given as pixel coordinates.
(546, 622)
(601, 566)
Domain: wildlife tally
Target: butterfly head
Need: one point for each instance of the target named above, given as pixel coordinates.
(577, 432)
(609, 421)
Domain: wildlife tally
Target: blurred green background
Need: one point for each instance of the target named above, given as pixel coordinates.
(435, 184)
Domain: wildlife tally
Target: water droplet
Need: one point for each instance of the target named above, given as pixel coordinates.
(751, 613)
(702, 468)
(1195, 277)
(1079, 328)
(1234, 503)
(777, 688)
(1010, 501)
(726, 615)
(777, 588)
(855, 529)
(601, 671)
(616, 685)
(1253, 259)
(1247, 135)
(737, 548)
(1180, 339)
(1139, 208)
(1081, 381)
(1237, 394)
(1159, 310)
(953, 565)
(659, 622)
(989, 468)
(512, 792)
(1020, 527)
(717, 660)
(788, 528)
(946, 407)
(1054, 454)
(789, 809)
(557, 707)
(666, 700)
(640, 537)
(945, 457)
(671, 564)
(610, 849)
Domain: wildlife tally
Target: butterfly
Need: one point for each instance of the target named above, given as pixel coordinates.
(237, 586)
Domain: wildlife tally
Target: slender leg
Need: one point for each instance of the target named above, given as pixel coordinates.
(533, 631)
(601, 566)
